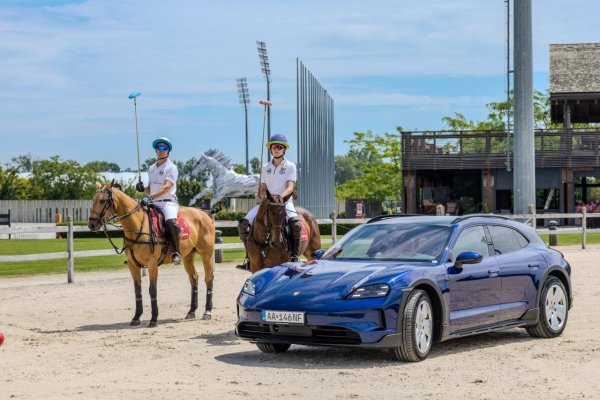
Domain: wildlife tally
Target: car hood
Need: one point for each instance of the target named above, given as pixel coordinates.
(312, 285)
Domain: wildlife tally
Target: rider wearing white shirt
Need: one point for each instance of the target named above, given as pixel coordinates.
(162, 186)
(278, 177)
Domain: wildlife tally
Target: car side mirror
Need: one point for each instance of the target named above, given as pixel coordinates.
(467, 257)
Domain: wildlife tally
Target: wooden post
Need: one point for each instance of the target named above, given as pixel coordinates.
(333, 226)
(532, 212)
(70, 261)
(583, 228)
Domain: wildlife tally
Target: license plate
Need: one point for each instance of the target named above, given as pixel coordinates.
(283, 317)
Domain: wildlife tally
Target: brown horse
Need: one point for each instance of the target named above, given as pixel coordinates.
(267, 244)
(142, 249)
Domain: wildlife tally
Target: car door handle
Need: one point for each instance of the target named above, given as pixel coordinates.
(493, 273)
(534, 266)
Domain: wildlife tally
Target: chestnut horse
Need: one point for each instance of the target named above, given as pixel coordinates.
(143, 249)
(267, 243)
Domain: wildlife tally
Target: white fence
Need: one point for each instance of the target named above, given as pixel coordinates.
(71, 254)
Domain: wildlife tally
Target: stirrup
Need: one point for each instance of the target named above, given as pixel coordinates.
(176, 258)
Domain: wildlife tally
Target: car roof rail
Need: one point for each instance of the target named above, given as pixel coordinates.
(388, 216)
(465, 217)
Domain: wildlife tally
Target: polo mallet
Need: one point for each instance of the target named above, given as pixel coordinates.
(265, 103)
(134, 96)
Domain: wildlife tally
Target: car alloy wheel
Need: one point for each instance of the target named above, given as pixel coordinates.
(416, 328)
(554, 310)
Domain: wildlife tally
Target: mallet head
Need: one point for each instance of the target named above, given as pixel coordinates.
(265, 103)
(134, 95)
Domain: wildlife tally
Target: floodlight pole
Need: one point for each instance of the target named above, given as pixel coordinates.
(266, 69)
(242, 86)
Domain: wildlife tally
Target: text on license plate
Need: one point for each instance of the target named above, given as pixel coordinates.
(283, 317)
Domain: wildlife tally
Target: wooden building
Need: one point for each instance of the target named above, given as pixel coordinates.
(472, 171)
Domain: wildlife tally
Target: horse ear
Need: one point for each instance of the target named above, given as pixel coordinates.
(268, 194)
(286, 198)
(111, 184)
(98, 185)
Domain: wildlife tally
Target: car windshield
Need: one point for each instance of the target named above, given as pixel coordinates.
(394, 242)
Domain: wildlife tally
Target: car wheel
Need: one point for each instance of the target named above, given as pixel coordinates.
(554, 310)
(273, 347)
(416, 329)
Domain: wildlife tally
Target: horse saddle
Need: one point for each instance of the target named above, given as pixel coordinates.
(158, 221)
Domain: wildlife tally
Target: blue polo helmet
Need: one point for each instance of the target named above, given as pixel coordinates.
(278, 139)
(162, 140)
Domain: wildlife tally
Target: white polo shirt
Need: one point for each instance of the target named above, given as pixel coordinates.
(157, 175)
(276, 177)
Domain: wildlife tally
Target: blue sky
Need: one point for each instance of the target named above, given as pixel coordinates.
(66, 68)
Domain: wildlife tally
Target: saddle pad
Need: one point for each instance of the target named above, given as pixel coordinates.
(185, 229)
(304, 234)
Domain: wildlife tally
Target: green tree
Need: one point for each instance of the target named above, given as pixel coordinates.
(23, 162)
(381, 174)
(348, 166)
(255, 165)
(63, 180)
(13, 187)
(239, 168)
(103, 166)
(187, 189)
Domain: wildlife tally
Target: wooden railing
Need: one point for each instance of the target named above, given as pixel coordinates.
(488, 149)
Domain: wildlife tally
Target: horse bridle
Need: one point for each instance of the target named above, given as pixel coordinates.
(102, 218)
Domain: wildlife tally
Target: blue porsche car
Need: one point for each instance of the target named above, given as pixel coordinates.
(402, 283)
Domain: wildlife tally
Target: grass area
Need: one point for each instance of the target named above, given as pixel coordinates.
(82, 264)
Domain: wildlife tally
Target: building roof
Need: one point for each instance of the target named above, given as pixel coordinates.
(574, 68)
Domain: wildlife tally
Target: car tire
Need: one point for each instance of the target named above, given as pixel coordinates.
(416, 328)
(273, 347)
(554, 310)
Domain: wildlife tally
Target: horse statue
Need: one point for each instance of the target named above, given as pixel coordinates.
(267, 244)
(142, 248)
(226, 182)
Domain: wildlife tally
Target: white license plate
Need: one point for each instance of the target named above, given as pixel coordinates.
(283, 317)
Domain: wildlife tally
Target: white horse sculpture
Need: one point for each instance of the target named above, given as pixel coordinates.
(226, 182)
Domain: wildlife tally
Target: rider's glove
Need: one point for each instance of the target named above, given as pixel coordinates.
(146, 200)
(140, 187)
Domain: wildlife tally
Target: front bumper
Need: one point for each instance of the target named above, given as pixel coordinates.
(365, 328)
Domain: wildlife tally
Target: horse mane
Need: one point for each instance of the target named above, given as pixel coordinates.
(218, 155)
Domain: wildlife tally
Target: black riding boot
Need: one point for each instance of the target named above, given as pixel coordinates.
(173, 230)
(296, 228)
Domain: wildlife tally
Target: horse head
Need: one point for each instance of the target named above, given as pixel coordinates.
(272, 215)
(103, 206)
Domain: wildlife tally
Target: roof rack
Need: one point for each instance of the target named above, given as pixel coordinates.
(388, 216)
(465, 217)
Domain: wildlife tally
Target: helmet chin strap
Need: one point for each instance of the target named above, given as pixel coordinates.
(162, 158)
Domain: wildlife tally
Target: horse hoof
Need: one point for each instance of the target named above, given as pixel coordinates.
(134, 322)
(190, 315)
(152, 324)
(206, 316)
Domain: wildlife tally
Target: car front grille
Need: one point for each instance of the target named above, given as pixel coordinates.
(299, 334)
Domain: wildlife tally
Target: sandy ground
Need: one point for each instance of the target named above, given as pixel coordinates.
(74, 341)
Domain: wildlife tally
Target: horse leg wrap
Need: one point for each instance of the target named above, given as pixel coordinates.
(139, 307)
(154, 303)
(209, 304)
(243, 229)
(194, 302)
(296, 227)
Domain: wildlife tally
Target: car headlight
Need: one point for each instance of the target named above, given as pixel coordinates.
(370, 291)
(249, 287)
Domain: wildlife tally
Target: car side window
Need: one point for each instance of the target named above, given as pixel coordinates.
(471, 239)
(505, 239)
(523, 241)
